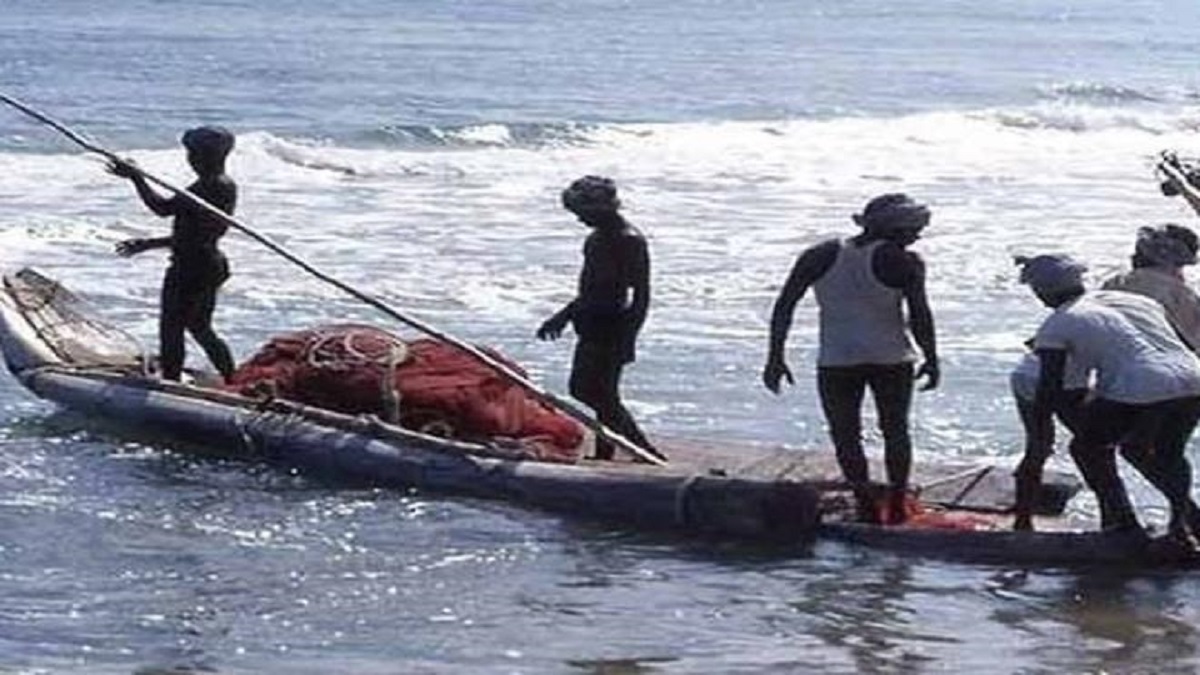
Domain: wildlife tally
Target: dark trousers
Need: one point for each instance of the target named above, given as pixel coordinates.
(842, 389)
(595, 380)
(1153, 438)
(187, 304)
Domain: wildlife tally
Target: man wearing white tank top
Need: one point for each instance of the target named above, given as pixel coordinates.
(863, 286)
(1146, 396)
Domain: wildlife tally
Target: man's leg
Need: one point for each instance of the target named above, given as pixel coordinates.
(892, 388)
(200, 307)
(842, 390)
(1163, 461)
(594, 375)
(171, 322)
(1103, 423)
(1029, 473)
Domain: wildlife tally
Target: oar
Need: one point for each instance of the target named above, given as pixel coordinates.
(505, 371)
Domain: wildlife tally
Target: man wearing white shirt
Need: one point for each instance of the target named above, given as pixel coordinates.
(1147, 389)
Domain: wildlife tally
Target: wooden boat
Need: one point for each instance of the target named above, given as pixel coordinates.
(57, 346)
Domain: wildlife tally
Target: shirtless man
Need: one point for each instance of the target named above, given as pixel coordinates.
(609, 310)
(863, 285)
(1147, 392)
(198, 268)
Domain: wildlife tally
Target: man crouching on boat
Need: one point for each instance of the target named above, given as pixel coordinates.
(1146, 395)
(860, 284)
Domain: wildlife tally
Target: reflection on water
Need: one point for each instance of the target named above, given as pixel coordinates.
(141, 559)
(1105, 620)
(873, 625)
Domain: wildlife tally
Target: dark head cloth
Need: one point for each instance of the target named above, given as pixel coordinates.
(893, 211)
(1169, 245)
(591, 193)
(209, 140)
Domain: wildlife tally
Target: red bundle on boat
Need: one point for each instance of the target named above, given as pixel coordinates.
(431, 386)
(921, 516)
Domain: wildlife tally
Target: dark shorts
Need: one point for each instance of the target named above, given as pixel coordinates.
(1165, 427)
(189, 294)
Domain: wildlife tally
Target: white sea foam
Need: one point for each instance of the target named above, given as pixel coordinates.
(473, 238)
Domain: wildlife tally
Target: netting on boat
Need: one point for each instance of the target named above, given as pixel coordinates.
(424, 385)
(67, 324)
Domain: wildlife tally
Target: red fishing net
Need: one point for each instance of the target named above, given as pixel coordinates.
(922, 516)
(432, 387)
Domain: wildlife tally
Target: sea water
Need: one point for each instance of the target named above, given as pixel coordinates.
(416, 150)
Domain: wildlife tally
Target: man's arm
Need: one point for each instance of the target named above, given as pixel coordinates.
(639, 281)
(160, 205)
(553, 327)
(1177, 177)
(1040, 440)
(1049, 392)
(920, 321)
(130, 247)
(812, 264)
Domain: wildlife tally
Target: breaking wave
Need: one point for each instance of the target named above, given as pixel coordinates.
(494, 135)
(1098, 92)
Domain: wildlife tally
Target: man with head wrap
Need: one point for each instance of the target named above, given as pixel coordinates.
(1159, 256)
(609, 309)
(1058, 275)
(863, 284)
(198, 268)
(1147, 391)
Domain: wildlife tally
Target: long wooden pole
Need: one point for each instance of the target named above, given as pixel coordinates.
(1170, 167)
(496, 365)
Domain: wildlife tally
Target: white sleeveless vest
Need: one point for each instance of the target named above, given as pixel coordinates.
(861, 318)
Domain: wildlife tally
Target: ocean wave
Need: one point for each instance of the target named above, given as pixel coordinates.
(337, 160)
(1087, 118)
(302, 155)
(1097, 92)
(488, 135)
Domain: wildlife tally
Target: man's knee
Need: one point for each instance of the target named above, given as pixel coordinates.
(895, 432)
(590, 391)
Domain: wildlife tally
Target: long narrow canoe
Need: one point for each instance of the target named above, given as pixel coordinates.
(58, 347)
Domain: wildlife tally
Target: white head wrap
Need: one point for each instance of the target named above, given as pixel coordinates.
(1051, 273)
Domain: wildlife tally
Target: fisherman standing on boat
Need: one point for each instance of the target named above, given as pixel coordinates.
(198, 268)
(609, 310)
(1147, 391)
(861, 284)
